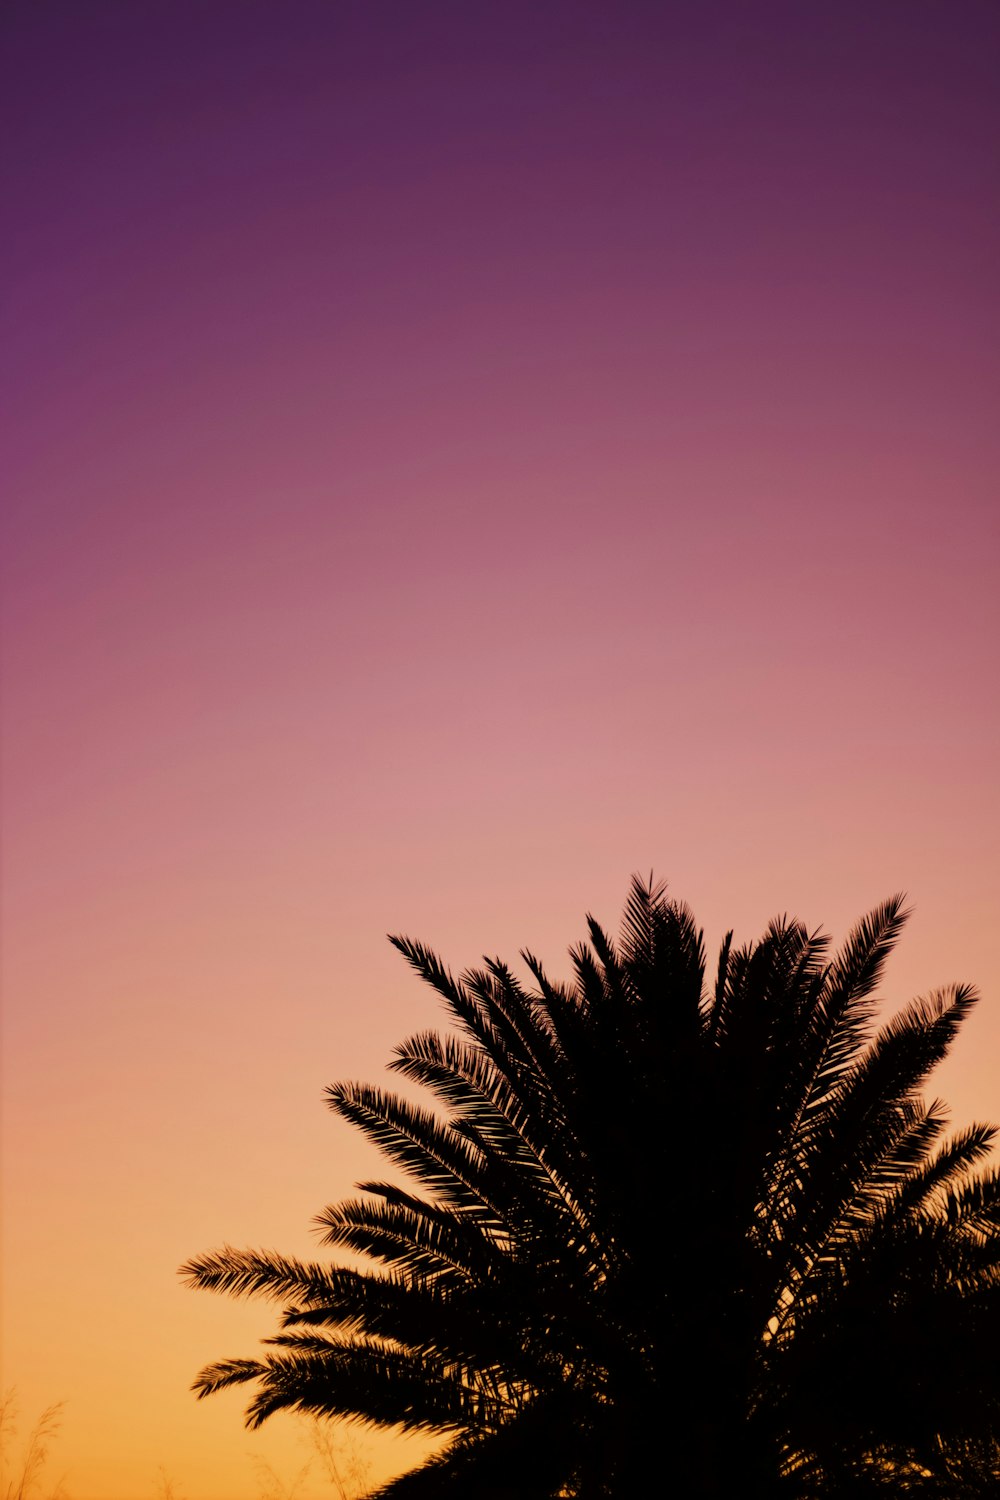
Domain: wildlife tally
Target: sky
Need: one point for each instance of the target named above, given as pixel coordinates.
(457, 456)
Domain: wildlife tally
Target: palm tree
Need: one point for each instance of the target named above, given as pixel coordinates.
(710, 1232)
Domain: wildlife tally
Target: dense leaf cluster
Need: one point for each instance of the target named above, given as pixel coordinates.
(660, 1226)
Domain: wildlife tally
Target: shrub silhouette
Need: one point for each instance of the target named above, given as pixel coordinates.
(659, 1227)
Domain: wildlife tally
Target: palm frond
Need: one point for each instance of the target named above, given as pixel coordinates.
(435, 1154)
(640, 1217)
(261, 1273)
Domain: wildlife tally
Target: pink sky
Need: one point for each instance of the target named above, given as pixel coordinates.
(458, 456)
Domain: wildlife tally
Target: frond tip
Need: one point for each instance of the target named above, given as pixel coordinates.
(225, 1373)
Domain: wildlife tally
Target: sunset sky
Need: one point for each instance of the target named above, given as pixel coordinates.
(458, 454)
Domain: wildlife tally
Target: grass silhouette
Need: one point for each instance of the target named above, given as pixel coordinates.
(23, 1477)
(339, 1460)
(22, 1480)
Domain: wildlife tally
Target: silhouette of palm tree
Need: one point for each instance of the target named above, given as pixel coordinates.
(710, 1234)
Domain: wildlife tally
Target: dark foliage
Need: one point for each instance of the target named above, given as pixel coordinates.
(707, 1232)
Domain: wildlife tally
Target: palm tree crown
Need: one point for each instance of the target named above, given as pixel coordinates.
(659, 1225)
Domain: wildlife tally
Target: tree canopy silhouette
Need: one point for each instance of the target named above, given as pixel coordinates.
(709, 1231)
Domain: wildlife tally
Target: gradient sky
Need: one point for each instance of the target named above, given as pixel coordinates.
(459, 454)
